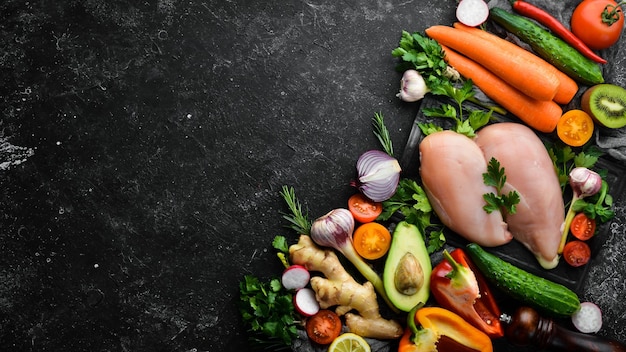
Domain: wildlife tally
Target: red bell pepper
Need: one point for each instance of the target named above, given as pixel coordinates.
(438, 329)
(459, 287)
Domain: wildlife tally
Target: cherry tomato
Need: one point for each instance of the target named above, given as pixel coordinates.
(371, 240)
(576, 253)
(575, 128)
(583, 227)
(598, 23)
(323, 327)
(364, 209)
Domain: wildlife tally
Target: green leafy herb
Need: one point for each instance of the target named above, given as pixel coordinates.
(410, 200)
(267, 310)
(436, 240)
(565, 159)
(381, 132)
(597, 206)
(496, 177)
(424, 55)
(429, 128)
(463, 125)
(281, 245)
(298, 221)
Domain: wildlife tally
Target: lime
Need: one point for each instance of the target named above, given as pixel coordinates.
(349, 342)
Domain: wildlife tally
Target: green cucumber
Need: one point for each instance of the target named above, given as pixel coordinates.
(545, 295)
(550, 47)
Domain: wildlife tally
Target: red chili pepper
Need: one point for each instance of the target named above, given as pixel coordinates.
(546, 19)
(459, 287)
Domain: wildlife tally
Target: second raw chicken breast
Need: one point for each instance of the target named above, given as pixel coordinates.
(529, 171)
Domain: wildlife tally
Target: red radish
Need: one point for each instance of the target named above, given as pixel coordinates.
(588, 319)
(295, 277)
(305, 302)
(472, 12)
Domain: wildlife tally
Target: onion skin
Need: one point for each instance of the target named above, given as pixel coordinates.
(379, 175)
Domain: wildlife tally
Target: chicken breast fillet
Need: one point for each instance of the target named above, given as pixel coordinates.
(451, 168)
(529, 171)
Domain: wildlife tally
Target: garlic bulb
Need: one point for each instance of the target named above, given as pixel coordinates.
(412, 86)
(585, 182)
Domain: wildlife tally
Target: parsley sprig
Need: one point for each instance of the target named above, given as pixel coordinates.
(424, 55)
(565, 159)
(467, 125)
(267, 309)
(597, 206)
(496, 177)
(410, 200)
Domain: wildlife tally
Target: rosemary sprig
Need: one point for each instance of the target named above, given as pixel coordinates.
(298, 221)
(381, 132)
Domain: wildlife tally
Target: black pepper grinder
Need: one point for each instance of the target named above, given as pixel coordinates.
(527, 327)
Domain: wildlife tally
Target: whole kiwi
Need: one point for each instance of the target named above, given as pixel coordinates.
(606, 104)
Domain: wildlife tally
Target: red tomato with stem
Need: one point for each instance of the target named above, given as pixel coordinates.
(364, 209)
(576, 253)
(583, 227)
(598, 23)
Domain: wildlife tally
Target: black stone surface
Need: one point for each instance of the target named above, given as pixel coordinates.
(144, 145)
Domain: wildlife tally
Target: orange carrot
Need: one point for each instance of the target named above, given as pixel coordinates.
(567, 86)
(542, 115)
(536, 81)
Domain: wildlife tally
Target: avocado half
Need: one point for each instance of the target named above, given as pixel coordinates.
(406, 276)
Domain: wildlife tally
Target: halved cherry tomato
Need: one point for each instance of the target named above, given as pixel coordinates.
(323, 327)
(575, 128)
(598, 23)
(371, 240)
(576, 253)
(364, 209)
(583, 227)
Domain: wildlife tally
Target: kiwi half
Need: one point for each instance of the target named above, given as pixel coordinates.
(606, 104)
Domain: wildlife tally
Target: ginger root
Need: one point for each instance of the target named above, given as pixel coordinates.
(339, 288)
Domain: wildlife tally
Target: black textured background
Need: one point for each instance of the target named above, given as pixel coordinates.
(144, 145)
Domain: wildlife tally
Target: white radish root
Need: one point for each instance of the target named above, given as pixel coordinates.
(305, 302)
(588, 319)
(295, 277)
(472, 12)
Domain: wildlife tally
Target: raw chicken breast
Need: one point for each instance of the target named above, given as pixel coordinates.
(529, 170)
(451, 169)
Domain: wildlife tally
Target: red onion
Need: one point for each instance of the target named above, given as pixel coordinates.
(379, 174)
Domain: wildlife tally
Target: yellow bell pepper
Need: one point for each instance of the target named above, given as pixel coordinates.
(427, 326)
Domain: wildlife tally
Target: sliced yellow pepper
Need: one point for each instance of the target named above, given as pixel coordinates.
(432, 323)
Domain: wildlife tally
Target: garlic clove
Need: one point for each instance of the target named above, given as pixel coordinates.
(585, 182)
(412, 86)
